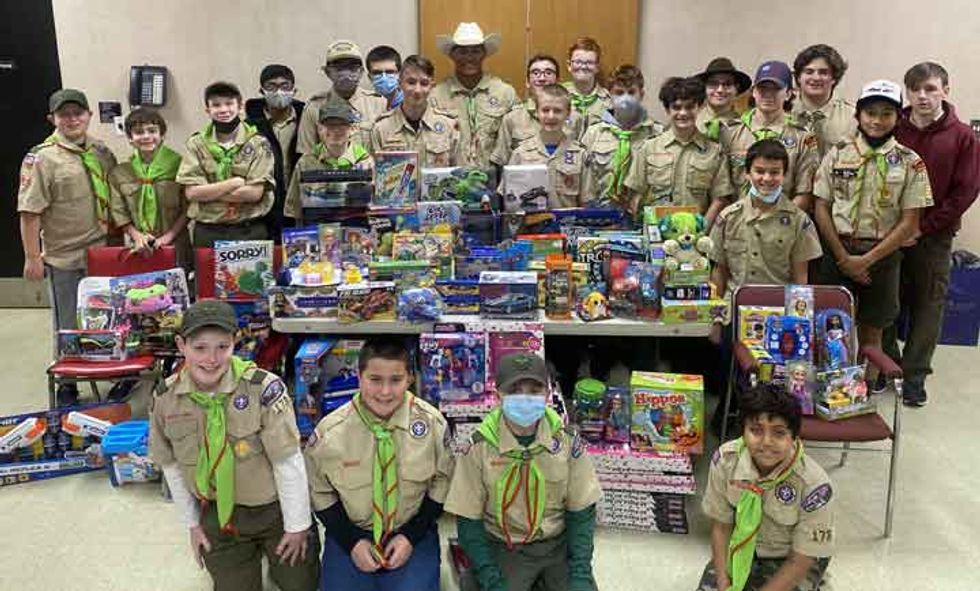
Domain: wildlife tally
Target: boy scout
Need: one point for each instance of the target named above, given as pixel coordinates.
(771, 506)
(344, 67)
(379, 471)
(870, 192)
(69, 215)
(225, 436)
(337, 150)
(479, 100)
(416, 125)
(521, 122)
(147, 202)
(524, 493)
(564, 156)
(770, 93)
(612, 142)
(680, 166)
(590, 100)
(763, 238)
(227, 173)
(724, 82)
(383, 65)
(818, 70)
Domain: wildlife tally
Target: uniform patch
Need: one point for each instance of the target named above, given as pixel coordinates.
(716, 457)
(280, 405)
(786, 493)
(555, 446)
(247, 150)
(418, 429)
(919, 165)
(784, 220)
(272, 393)
(241, 401)
(844, 173)
(493, 101)
(578, 447)
(439, 127)
(569, 157)
(893, 158)
(356, 116)
(810, 141)
(817, 498)
(242, 448)
(789, 141)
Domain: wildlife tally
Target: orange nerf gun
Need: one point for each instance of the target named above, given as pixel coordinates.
(81, 425)
(24, 434)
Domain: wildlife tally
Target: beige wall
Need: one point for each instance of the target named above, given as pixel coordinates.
(99, 39)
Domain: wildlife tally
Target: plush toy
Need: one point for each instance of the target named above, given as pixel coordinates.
(684, 241)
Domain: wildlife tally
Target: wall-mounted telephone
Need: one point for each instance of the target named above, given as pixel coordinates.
(148, 86)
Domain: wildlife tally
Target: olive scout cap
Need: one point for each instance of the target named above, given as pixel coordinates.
(64, 96)
(342, 50)
(885, 90)
(209, 313)
(520, 366)
(336, 109)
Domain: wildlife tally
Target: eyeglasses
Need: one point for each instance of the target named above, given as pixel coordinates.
(542, 73)
(272, 87)
(720, 84)
(583, 63)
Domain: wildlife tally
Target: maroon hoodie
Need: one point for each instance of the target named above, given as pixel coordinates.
(952, 156)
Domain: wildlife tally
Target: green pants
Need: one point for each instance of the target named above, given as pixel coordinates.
(235, 561)
(763, 569)
(925, 279)
(538, 566)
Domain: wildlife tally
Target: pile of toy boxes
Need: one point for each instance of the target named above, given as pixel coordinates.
(810, 353)
(437, 242)
(641, 440)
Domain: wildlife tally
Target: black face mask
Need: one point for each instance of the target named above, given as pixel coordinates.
(225, 128)
(876, 142)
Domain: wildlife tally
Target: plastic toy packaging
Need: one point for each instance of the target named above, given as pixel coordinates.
(243, 269)
(150, 307)
(369, 300)
(843, 393)
(788, 338)
(500, 344)
(559, 296)
(453, 366)
(466, 185)
(439, 216)
(525, 187)
(667, 412)
(420, 304)
(616, 415)
(835, 339)
(799, 301)
(95, 310)
(801, 383)
(396, 178)
(589, 397)
(592, 304)
(509, 294)
(303, 256)
(356, 247)
(752, 322)
(92, 345)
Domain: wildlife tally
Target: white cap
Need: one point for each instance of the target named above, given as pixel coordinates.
(468, 34)
(882, 89)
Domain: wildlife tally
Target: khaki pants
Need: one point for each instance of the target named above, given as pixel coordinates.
(235, 561)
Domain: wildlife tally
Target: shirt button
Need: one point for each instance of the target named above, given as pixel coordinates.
(755, 254)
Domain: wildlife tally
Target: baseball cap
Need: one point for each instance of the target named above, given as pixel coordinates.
(520, 366)
(881, 90)
(775, 71)
(339, 50)
(66, 95)
(336, 109)
(209, 313)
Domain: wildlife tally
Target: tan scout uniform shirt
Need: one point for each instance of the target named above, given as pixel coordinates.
(707, 114)
(861, 207)
(831, 124)
(478, 126)
(294, 195)
(801, 145)
(367, 105)
(254, 162)
(570, 483)
(340, 461)
(436, 140)
(520, 124)
(797, 514)
(56, 185)
(666, 171)
(593, 113)
(284, 131)
(761, 247)
(125, 189)
(601, 143)
(259, 421)
(567, 169)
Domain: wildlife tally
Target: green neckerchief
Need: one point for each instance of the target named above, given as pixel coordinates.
(881, 168)
(582, 102)
(748, 519)
(224, 157)
(384, 483)
(521, 470)
(621, 159)
(215, 461)
(163, 167)
(470, 101)
(96, 174)
(341, 163)
(712, 129)
(765, 133)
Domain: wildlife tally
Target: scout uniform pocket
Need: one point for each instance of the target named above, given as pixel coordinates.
(184, 439)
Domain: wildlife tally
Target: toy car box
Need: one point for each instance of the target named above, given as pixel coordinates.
(509, 294)
(126, 453)
(368, 300)
(702, 311)
(667, 411)
(302, 301)
(92, 345)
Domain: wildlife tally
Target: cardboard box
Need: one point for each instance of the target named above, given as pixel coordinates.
(509, 294)
(703, 311)
(668, 412)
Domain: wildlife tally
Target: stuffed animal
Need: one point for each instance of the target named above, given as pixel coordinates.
(684, 241)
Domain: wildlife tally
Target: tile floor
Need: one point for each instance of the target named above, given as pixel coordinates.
(78, 532)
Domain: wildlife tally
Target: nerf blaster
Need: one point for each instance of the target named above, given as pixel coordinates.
(24, 434)
(80, 424)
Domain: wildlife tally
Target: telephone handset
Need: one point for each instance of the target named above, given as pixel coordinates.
(147, 86)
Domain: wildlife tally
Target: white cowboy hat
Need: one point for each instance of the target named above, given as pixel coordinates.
(468, 34)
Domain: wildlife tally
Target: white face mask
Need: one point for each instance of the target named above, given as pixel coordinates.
(279, 99)
(768, 197)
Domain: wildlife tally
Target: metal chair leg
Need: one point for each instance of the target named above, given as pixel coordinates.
(728, 399)
(893, 464)
(52, 392)
(843, 453)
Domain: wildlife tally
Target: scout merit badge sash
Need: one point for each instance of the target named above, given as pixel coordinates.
(215, 462)
(384, 482)
(341, 163)
(748, 519)
(96, 174)
(224, 157)
(522, 470)
(163, 167)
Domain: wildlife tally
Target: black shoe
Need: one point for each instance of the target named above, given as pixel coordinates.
(881, 384)
(914, 394)
(120, 390)
(67, 395)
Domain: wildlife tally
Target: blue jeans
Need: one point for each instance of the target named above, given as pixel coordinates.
(421, 573)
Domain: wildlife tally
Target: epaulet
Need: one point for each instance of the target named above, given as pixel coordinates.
(45, 144)
(387, 114)
(731, 209)
(257, 375)
(332, 420)
(427, 409)
(320, 96)
(444, 112)
(166, 384)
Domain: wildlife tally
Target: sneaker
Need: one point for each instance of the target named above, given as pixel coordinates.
(881, 384)
(914, 394)
(67, 395)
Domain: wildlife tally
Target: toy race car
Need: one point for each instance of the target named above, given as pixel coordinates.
(510, 304)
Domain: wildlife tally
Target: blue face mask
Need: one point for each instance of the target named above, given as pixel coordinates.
(767, 198)
(524, 409)
(385, 83)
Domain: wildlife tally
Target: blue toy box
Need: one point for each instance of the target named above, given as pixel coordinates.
(126, 454)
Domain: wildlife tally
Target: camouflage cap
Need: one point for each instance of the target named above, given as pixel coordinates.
(336, 108)
(340, 50)
(209, 313)
(520, 366)
(66, 95)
